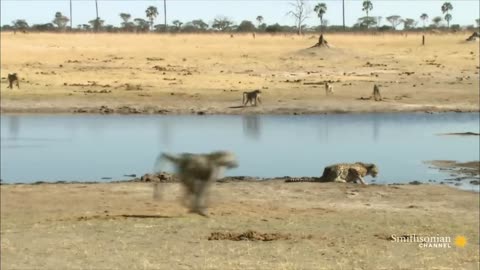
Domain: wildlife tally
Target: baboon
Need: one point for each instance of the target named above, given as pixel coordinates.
(197, 172)
(328, 89)
(376, 93)
(12, 77)
(252, 97)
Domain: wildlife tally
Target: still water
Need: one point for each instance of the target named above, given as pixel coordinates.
(90, 147)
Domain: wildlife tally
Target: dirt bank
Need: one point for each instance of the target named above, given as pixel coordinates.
(207, 74)
(252, 225)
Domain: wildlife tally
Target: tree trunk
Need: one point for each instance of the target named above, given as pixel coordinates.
(71, 19)
(165, 13)
(343, 10)
(97, 23)
(367, 19)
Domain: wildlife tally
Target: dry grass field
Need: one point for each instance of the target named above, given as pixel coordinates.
(208, 73)
(285, 226)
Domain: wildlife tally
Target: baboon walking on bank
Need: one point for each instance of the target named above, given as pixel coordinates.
(12, 77)
(251, 97)
(328, 89)
(197, 172)
(376, 93)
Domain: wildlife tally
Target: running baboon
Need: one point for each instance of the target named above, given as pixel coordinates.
(252, 97)
(376, 93)
(196, 173)
(12, 77)
(328, 89)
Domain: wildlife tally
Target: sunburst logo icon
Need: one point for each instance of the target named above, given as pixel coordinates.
(460, 241)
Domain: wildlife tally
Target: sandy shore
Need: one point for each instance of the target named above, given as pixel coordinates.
(207, 74)
(288, 225)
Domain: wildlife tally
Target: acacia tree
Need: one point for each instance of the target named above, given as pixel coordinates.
(151, 14)
(141, 25)
(395, 20)
(96, 23)
(320, 9)
(222, 24)
(177, 24)
(60, 21)
(300, 13)
(437, 20)
(409, 23)
(125, 17)
(199, 25)
(245, 26)
(367, 6)
(424, 18)
(366, 22)
(20, 25)
(446, 8)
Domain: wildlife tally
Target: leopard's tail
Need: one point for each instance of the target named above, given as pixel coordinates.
(322, 178)
(302, 179)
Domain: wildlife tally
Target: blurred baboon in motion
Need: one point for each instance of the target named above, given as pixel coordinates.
(197, 172)
(251, 97)
(12, 77)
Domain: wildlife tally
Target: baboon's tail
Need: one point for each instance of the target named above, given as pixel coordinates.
(164, 156)
(158, 168)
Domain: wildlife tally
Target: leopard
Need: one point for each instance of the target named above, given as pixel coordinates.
(344, 173)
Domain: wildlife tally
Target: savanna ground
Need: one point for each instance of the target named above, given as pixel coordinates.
(310, 225)
(208, 73)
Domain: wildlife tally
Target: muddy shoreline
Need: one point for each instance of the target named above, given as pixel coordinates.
(251, 225)
(179, 110)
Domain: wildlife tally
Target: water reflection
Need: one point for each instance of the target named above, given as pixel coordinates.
(86, 147)
(252, 126)
(14, 127)
(165, 132)
(376, 128)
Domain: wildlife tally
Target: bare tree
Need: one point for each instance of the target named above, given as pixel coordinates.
(300, 13)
